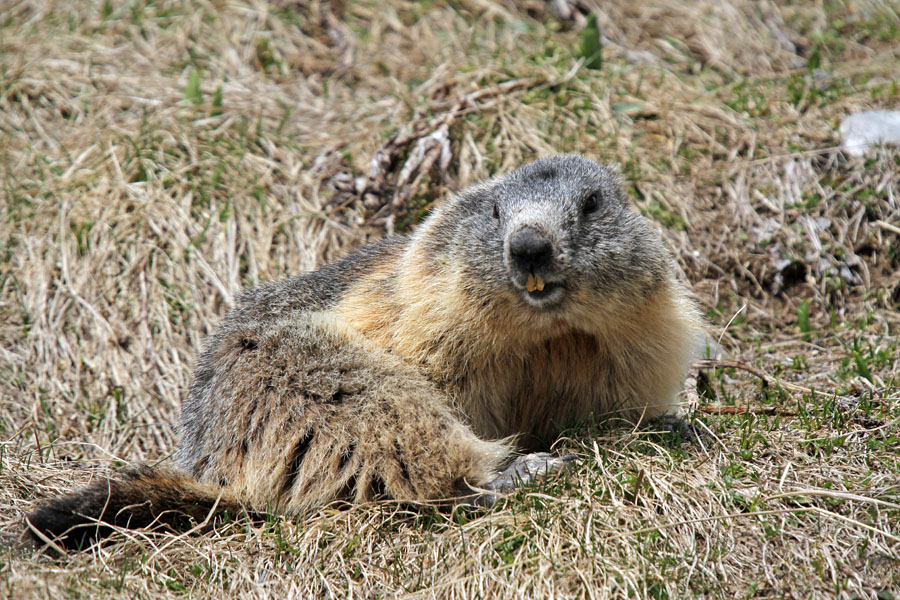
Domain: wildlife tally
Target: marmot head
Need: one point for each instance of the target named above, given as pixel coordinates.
(552, 235)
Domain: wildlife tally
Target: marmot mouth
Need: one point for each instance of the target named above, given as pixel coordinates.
(547, 297)
(546, 290)
(539, 293)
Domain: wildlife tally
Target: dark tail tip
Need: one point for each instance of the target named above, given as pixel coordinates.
(59, 523)
(140, 497)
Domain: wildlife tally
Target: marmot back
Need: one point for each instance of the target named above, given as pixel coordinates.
(414, 368)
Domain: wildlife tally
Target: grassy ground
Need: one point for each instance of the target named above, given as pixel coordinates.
(156, 157)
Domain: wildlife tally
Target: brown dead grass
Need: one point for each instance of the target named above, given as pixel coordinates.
(131, 215)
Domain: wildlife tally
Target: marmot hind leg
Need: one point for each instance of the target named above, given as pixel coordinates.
(303, 412)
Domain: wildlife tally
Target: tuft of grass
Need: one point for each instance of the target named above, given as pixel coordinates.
(591, 46)
(192, 93)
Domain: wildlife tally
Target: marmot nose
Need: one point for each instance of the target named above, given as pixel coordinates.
(530, 249)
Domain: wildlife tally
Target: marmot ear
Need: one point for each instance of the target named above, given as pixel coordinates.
(614, 170)
(615, 174)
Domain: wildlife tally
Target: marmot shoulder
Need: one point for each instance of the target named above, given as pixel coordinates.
(417, 368)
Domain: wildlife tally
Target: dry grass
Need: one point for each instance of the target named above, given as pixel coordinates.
(137, 199)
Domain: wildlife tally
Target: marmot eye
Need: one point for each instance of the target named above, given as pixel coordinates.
(591, 203)
(496, 211)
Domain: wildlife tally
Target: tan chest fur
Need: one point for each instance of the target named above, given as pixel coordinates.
(512, 371)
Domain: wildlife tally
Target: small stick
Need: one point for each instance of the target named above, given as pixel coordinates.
(637, 486)
(711, 363)
(746, 410)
